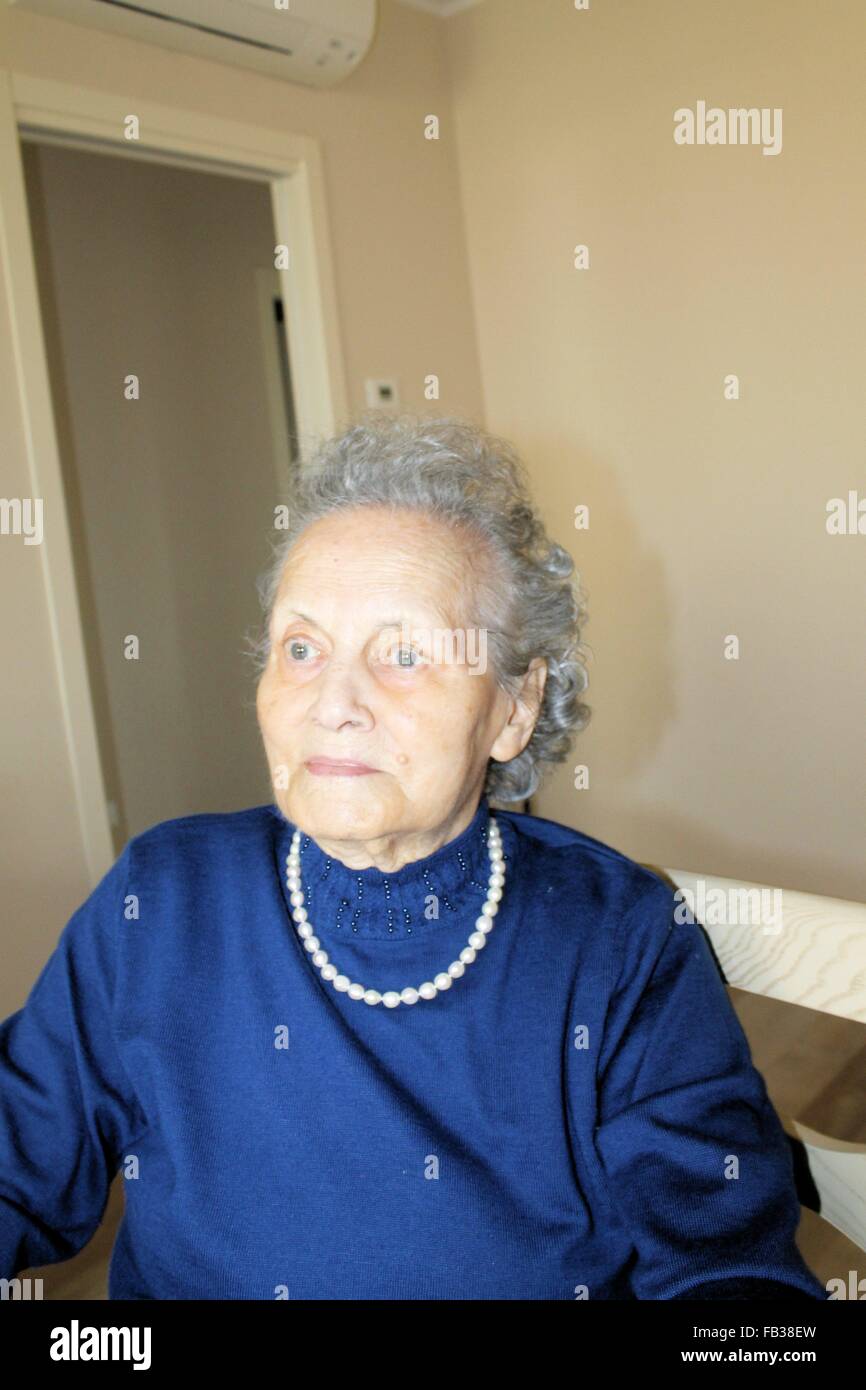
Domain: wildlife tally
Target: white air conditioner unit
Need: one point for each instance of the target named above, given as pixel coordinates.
(317, 42)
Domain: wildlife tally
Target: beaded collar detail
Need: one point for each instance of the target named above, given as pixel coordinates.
(348, 904)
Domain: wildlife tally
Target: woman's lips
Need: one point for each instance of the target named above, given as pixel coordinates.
(337, 767)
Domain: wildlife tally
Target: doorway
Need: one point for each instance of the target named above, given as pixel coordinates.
(172, 394)
(287, 169)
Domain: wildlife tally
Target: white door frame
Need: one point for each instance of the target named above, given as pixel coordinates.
(87, 119)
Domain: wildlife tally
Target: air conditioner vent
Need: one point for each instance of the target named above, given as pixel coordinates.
(317, 42)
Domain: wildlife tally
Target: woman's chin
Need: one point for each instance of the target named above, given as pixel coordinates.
(336, 805)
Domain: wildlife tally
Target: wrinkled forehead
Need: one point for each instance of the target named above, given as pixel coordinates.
(375, 559)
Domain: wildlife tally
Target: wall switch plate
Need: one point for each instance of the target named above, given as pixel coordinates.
(381, 392)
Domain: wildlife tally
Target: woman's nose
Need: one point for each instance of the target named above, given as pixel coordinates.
(341, 695)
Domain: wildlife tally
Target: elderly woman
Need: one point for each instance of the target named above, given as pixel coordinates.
(376, 1039)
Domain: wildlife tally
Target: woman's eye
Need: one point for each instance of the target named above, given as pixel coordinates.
(292, 646)
(407, 657)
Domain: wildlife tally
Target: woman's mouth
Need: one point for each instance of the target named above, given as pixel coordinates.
(337, 767)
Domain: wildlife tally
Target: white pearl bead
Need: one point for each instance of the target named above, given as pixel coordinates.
(482, 923)
(356, 991)
(478, 939)
(297, 899)
(467, 955)
(372, 996)
(409, 995)
(456, 968)
(320, 958)
(490, 909)
(329, 972)
(427, 990)
(312, 944)
(342, 983)
(391, 999)
(305, 930)
(300, 914)
(494, 895)
(443, 981)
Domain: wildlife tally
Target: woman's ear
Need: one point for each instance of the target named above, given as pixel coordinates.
(525, 708)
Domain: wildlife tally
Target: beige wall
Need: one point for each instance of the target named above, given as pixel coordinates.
(404, 309)
(707, 516)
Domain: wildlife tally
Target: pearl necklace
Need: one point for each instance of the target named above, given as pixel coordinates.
(430, 988)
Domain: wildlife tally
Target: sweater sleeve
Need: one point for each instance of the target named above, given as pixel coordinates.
(698, 1163)
(66, 1106)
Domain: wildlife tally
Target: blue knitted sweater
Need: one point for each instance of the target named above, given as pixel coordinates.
(578, 1116)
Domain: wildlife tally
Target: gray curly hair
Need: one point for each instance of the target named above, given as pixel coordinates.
(474, 482)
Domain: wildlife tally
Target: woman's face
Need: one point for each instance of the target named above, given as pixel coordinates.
(369, 662)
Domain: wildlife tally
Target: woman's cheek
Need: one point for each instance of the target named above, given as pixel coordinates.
(277, 702)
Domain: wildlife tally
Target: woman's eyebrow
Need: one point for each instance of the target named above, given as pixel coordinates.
(394, 621)
(294, 613)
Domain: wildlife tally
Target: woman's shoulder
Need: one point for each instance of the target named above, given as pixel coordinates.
(589, 871)
(212, 836)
